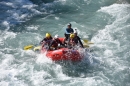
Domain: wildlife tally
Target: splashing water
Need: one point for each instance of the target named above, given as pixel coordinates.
(105, 22)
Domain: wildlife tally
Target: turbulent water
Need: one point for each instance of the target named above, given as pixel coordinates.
(106, 23)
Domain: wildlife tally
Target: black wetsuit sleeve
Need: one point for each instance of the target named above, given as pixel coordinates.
(68, 41)
(52, 42)
(72, 31)
(42, 41)
(51, 38)
(80, 42)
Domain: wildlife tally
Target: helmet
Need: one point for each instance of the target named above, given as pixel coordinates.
(69, 24)
(56, 36)
(72, 35)
(75, 31)
(48, 35)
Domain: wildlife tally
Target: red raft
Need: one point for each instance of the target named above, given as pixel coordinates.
(63, 54)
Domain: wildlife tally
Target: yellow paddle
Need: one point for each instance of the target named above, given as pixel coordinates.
(37, 48)
(87, 42)
(28, 47)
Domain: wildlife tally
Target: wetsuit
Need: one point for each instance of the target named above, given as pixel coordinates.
(55, 43)
(46, 41)
(75, 41)
(68, 32)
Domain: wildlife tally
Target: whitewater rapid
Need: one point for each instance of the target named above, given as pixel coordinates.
(105, 23)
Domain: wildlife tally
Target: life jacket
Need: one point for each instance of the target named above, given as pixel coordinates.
(69, 30)
(46, 41)
(62, 39)
(55, 43)
(76, 39)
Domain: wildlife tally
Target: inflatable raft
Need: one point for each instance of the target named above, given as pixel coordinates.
(63, 54)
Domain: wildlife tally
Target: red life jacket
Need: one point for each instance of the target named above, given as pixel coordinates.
(55, 43)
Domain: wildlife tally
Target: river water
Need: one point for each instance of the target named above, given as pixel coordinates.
(106, 23)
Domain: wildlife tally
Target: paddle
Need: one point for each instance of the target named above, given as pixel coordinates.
(34, 47)
(37, 48)
(28, 47)
(87, 43)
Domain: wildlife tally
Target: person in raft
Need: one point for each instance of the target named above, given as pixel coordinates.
(75, 40)
(55, 43)
(47, 40)
(68, 31)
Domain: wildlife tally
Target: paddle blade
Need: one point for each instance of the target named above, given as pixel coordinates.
(87, 42)
(28, 47)
(90, 43)
(85, 45)
(37, 48)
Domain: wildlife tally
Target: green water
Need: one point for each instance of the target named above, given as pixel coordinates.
(104, 22)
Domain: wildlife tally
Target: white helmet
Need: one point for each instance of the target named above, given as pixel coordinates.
(75, 31)
(56, 36)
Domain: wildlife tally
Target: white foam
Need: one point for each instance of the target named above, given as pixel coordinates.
(20, 11)
(103, 35)
(121, 14)
(32, 27)
(116, 10)
(7, 4)
(6, 24)
(41, 58)
(4, 83)
(1, 42)
(108, 53)
(10, 35)
(57, 18)
(30, 52)
(8, 60)
(109, 40)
